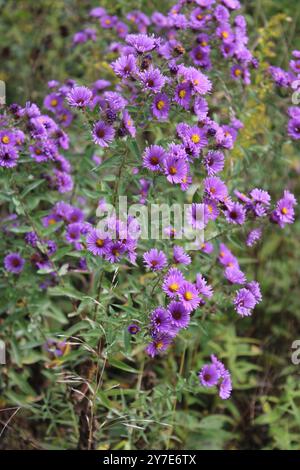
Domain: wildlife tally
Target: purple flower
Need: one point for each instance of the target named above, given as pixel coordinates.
(128, 123)
(155, 260)
(31, 238)
(153, 157)
(213, 162)
(209, 375)
(200, 108)
(175, 170)
(202, 286)
(14, 263)
(234, 275)
(73, 232)
(226, 258)
(160, 320)
(189, 296)
(172, 282)
(133, 329)
(215, 188)
(159, 344)
(141, 42)
(225, 386)
(183, 93)
(103, 134)
(161, 106)
(254, 288)
(244, 302)
(207, 247)
(179, 315)
(97, 242)
(63, 182)
(294, 128)
(8, 156)
(284, 212)
(199, 82)
(235, 213)
(253, 236)
(152, 80)
(180, 256)
(125, 66)
(114, 251)
(79, 96)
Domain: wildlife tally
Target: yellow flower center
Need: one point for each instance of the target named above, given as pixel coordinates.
(99, 242)
(182, 93)
(237, 72)
(159, 345)
(53, 102)
(5, 139)
(51, 221)
(212, 190)
(161, 104)
(200, 17)
(195, 138)
(225, 34)
(203, 43)
(173, 170)
(188, 295)
(174, 287)
(107, 21)
(284, 210)
(154, 160)
(210, 209)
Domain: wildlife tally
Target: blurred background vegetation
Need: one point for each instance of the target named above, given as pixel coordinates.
(36, 46)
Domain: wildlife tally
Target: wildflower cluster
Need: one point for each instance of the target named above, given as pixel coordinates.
(165, 70)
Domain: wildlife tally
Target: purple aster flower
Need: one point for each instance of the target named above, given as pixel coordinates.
(53, 101)
(261, 196)
(178, 314)
(133, 329)
(114, 251)
(103, 134)
(294, 128)
(79, 96)
(177, 151)
(51, 247)
(254, 288)
(207, 247)
(180, 256)
(128, 123)
(214, 162)
(175, 170)
(189, 296)
(200, 108)
(97, 242)
(183, 93)
(201, 57)
(154, 157)
(152, 80)
(215, 188)
(161, 106)
(225, 33)
(125, 66)
(63, 182)
(160, 320)
(235, 213)
(172, 282)
(226, 258)
(209, 375)
(195, 139)
(159, 344)
(284, 212)
(202, 286)
(234, 275)
(8, 156)
(7, 138)
(141, 42)
(244, 302)
(31, 239)
(225, 388)
(253, 236)
(73, 232)
(199, 82)
(155, 260)
(14, 263)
